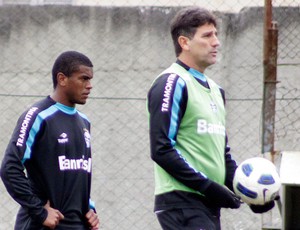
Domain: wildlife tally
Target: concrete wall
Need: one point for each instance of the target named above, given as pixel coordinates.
(129, 46)
(220, 5)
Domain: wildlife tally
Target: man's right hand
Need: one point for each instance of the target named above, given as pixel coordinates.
(221, 196)
(53, 217)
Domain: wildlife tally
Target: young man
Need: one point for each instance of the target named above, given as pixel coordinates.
(193, 167)
(52, 142)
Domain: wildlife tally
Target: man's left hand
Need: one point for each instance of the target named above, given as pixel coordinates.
(93, 219)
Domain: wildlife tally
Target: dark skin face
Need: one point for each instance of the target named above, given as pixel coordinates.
(74, 89)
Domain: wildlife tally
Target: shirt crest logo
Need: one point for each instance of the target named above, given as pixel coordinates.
(87, 138)
(213, 107)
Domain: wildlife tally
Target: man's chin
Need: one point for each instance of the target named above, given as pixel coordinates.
(82, 102)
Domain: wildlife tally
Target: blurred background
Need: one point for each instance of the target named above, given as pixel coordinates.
(129, 44)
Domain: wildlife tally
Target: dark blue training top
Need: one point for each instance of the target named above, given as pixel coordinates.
(52, 142)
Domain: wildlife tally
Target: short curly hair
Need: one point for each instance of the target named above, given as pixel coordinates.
(67, 63)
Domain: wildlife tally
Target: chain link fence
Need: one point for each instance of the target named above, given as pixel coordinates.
(129, 44)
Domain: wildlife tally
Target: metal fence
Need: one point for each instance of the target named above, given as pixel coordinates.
(129, 44)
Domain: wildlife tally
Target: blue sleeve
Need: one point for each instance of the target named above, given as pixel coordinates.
(13, 170)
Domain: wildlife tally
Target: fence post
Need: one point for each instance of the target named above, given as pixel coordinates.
(269, 93)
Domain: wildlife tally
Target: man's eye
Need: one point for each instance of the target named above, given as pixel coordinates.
(207, 35)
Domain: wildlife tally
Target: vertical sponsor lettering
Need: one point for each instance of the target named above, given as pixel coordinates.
(24, 126)
(167, 93)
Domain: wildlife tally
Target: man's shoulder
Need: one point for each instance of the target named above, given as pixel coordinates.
(41, 104)
(83, 116)
(37, 107)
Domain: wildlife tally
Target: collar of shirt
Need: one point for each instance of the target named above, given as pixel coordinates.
(198, 75)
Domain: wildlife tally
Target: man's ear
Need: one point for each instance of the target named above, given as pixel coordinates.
(184, 42)
(61, 79)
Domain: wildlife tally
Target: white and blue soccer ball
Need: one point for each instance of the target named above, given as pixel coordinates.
(256, 181)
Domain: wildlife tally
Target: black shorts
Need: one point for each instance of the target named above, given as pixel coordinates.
(188, 219)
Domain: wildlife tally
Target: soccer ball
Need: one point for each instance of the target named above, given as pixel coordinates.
(256, 181)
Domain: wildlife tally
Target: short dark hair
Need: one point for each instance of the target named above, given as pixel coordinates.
(186, 22)
(67, 63)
